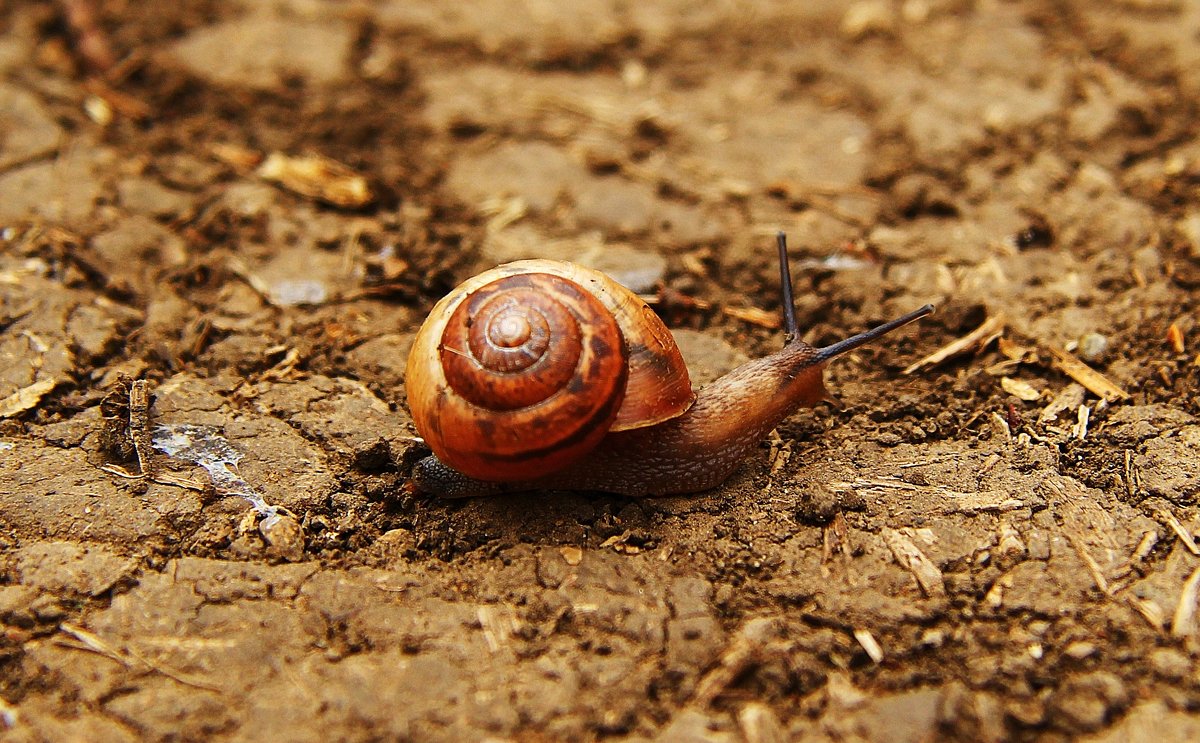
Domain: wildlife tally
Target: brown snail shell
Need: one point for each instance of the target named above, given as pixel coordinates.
(523, 369)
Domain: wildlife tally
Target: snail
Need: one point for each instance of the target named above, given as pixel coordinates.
(544, 375)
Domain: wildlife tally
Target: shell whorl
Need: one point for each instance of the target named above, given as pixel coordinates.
(528, 375)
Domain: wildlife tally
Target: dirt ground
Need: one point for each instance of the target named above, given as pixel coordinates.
(224, 221)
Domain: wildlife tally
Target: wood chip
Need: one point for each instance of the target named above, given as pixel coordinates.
(1094, 381)
(317, 177)
(1081, 425)
(620, 543)
(1000, 428)
(906, 552)
(1019, 389)
(572, 555)
(1183, 623)
(1175, 338)
(869, 644)
(780, 456)
(235, 156)
(1014, 351)
(1149, 541)
(953, 501)
(976, 341)
(754, 316)
(1069, 398)
(835, 539)
(26, 398)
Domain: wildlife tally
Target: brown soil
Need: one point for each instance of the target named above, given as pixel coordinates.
(937, 555)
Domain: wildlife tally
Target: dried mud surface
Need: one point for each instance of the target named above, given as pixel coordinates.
(937, 556)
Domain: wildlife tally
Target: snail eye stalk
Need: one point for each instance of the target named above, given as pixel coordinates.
(786, 298)
(791, 330)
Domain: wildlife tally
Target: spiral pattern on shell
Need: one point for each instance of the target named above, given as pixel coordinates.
(529, 374)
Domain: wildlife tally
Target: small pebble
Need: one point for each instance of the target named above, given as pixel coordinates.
(818, 503)
(889, 439)
(1092, 346)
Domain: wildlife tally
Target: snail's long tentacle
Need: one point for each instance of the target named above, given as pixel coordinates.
(787, 299)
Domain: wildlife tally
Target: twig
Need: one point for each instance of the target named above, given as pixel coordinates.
(1179, 529)
(1132, 476)
(1092, 566)
(977, 339)
(161, 478)
(139, 423)
(906, 552)
(1094, 381)
(754, 316)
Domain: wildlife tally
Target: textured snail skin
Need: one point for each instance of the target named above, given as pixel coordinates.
(695, 451)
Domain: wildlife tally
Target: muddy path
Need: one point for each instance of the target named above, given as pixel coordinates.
(225, 221)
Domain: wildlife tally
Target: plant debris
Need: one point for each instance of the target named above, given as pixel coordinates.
(973, 342)
(319, 178)
(1094, 381)
(26, 398)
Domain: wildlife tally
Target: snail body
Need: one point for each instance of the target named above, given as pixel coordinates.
(504, 409)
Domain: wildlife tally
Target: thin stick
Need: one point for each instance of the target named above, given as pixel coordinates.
(854, 341)
(791, 328)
